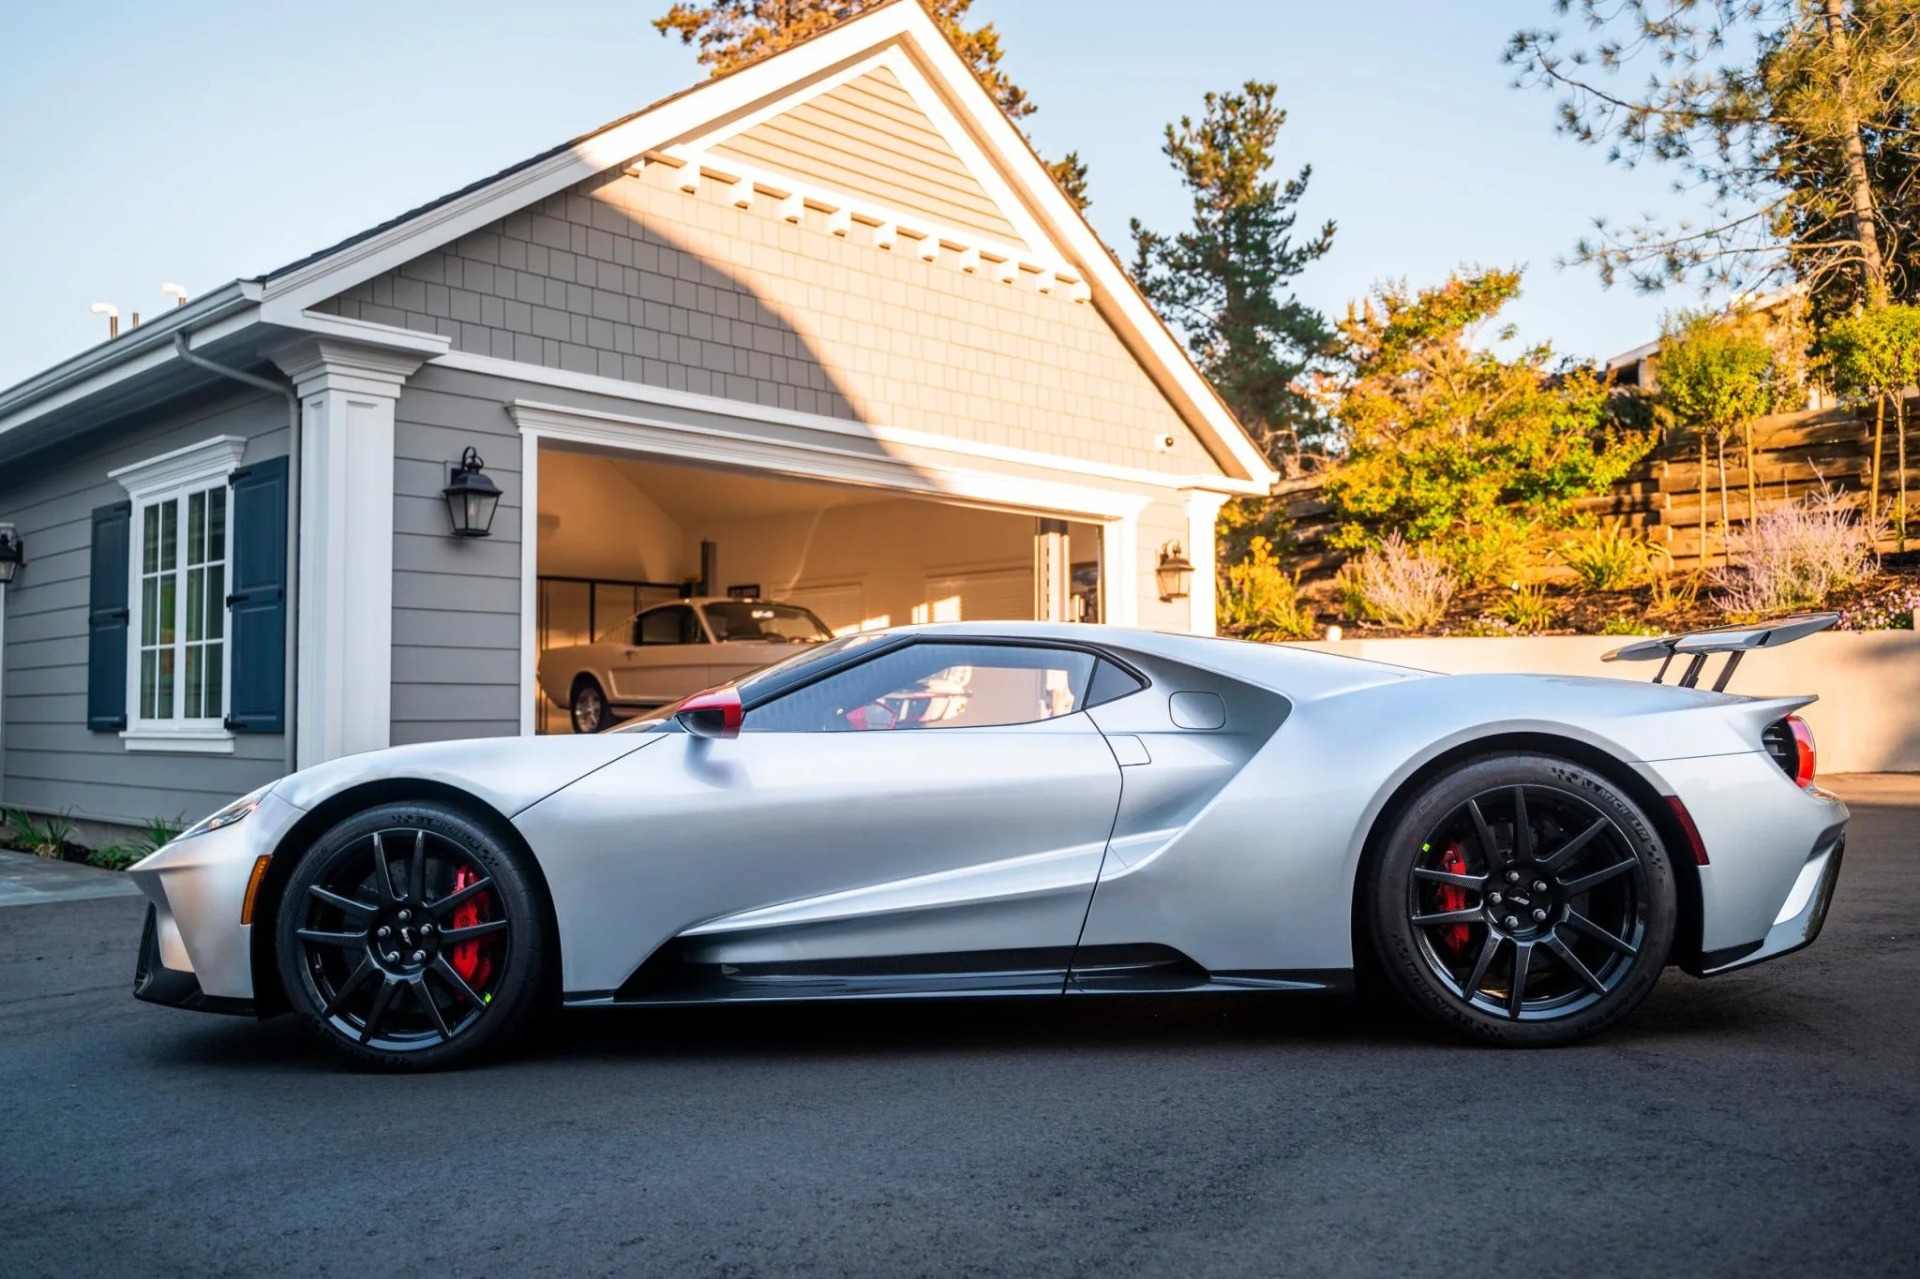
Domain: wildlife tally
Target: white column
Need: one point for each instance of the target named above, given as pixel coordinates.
(1119, 560)
(344, 683)
(1203, 513)
(3, 682)
(1052, 571)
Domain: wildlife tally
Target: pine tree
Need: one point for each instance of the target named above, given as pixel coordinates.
(735, 33)
(1225, 283)
(1788, 116)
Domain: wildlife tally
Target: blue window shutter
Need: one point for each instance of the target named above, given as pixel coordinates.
(257, 606)
(107, 618)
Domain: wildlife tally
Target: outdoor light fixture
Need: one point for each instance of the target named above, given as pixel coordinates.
(471, 497)
(13, 552)
(1173, 573)
(175, 291)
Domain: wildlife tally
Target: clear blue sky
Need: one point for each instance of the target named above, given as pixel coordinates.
(201, 140)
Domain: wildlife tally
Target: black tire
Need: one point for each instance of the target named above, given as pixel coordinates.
(1583, 907)
(587, 706)
(405, 999)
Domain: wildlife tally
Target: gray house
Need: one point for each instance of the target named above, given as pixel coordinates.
(821, 330)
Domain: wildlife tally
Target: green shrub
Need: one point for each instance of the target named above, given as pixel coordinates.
(1526, 609)
(1260, 601)
(157, 834)
(1456, 446)
(46, 838)
(1627, 626)
(1609, 558)
(115, 856)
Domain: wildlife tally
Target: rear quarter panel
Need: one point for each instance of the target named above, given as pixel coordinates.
(1263, 877)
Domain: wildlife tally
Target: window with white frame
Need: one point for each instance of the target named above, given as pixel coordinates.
(182, 608)
(177, 681)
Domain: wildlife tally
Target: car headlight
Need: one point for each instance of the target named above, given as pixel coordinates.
(227, 816)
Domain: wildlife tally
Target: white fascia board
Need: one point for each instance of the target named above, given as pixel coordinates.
(209, 319)
(388, 336)
(615, 388)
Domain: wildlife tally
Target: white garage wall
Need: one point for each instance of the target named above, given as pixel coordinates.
(595, 523)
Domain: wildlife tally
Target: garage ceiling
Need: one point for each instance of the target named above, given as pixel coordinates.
(689, 492)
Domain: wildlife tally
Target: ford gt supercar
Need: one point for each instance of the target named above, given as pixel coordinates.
(1026, 809)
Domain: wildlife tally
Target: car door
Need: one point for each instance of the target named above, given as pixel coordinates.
(665, 660)
(930, 819)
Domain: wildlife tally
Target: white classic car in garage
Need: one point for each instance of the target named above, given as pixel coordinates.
(660, 654)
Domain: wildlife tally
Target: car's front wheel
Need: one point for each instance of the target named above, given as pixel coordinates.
(410, 936)
(1524, 900)
(589, 706)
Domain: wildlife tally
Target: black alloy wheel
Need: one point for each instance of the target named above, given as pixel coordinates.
(588, 707)
(1525, 900)
(410, 936)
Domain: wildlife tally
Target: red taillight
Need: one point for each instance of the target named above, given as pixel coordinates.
(1803, 744)
(1687, 828)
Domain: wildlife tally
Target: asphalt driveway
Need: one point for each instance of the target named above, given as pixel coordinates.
(1765, 1122)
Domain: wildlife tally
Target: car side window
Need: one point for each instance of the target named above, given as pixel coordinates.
(936, 685)
(672, 625)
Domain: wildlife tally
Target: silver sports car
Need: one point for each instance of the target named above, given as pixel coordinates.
(1032, 809)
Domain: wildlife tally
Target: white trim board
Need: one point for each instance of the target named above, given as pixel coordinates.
(718, 447)
(904, 437)
(196, 464)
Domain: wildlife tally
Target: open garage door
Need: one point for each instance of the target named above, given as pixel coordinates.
(619, 529)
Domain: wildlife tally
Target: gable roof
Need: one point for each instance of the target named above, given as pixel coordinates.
(836, 138)
(962, 153)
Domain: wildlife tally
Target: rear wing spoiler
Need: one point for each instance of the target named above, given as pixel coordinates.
(1735, 641)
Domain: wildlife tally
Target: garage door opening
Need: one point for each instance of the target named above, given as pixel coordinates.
(619, 535)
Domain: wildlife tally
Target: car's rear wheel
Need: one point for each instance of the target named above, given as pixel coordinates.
(1524, 900)
(589, 706)
(410, 936)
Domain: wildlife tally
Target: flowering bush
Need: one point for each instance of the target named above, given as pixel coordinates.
(1399, 585)
(1796, 556)
(1890, 612)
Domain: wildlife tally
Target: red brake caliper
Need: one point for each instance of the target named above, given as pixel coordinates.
(1453, 898)
(467, 959)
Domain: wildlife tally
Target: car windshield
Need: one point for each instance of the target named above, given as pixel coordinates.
(749, 684)
(736, 620)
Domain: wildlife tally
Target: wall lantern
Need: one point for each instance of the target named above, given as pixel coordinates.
(471, 497)
(1174, 573)
(13, 552)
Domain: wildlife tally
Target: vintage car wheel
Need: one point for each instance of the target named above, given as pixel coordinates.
(1524, 900)
(588, 706)
(411, 937)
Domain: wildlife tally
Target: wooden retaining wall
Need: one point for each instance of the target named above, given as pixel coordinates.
(1794, 453)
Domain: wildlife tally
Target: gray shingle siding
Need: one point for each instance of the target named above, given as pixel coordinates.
(456, 614)
(576, 284)
(49, 761)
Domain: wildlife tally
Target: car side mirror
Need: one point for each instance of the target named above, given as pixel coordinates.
(714, 713)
